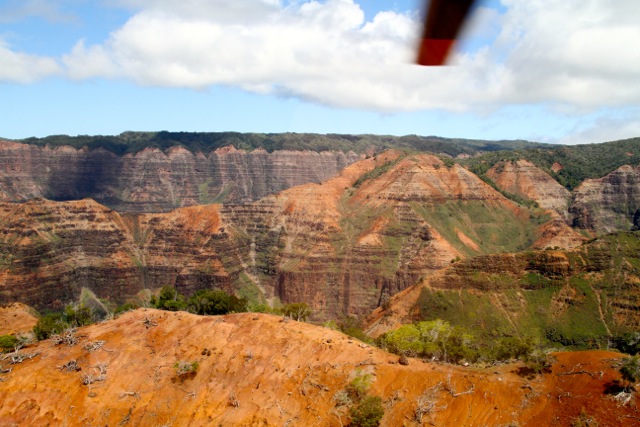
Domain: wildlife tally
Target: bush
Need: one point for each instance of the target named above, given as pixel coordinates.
(358, 387)
(48, 325)
(367, 413)
(127, 306)
(213, 301)
(628, 343)
(184, 368)
(353, 328)
(512, 348)
(168, 299)
(78, 316)
(630, 370)
(8, 342)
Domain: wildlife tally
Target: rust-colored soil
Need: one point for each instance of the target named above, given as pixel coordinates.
(257, 370)
(16, 318)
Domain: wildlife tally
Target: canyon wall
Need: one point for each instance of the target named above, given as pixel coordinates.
(600, 205)
(153, 180)
(343, 246)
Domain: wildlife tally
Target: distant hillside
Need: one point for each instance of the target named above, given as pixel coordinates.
(569, 165)
(205, 142)
(583, 297)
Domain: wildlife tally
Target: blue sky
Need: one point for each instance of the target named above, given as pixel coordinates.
(560, 72)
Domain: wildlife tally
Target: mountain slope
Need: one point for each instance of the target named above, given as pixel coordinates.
(581, 297)
(343, 246)
(256, 370)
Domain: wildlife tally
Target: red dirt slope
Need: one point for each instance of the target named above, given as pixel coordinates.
(257, 370)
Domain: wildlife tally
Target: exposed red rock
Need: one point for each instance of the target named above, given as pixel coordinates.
(610, 203)
(343, 246)
(526, 180)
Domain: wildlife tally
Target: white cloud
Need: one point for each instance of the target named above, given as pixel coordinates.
(572, 55)
(19, 67)
(582, 53)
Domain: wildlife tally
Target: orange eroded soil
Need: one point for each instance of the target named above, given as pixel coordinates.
(257, 370)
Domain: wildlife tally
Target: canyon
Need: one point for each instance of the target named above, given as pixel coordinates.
(491, 243)
(343, 245)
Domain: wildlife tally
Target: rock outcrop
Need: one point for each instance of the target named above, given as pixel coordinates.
(608, 204)
(156, 181)
(526, 180)
(51, 250)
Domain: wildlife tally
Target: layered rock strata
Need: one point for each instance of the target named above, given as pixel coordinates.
(156, 181)
(610, 203)
(343, 246)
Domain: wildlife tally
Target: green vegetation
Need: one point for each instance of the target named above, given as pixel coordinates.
(368, 412)
(574, 299)
(577, 162)
(133, 142)
(169, 299)
(364, 410)
(628, 343)
(213, 301)
(360, 384)
(186, 368)
(377, 171)
(298, 311)
(630, 371)
(439, 340)
(493, 227)
(8, 342)
(55, 323)
(216, 302)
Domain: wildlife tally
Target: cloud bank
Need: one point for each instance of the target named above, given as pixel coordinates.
(572, 55)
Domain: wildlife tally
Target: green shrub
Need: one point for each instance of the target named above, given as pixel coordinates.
(358, 387)
(185, 368)
(49, 324)
(353, 328)
(78, 316)
(538, 361)
(508, 348)
(8, 342)
(169, 299)
(438, 339)
(367, 413)
(628, 343)
(127, 306)
(214, 302)
(630, 370)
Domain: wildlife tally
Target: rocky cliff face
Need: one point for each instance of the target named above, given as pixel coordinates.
(156, 181)
(50, 251)
(610, 203)
(526, 180)
(343, 246)
(603, 205)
